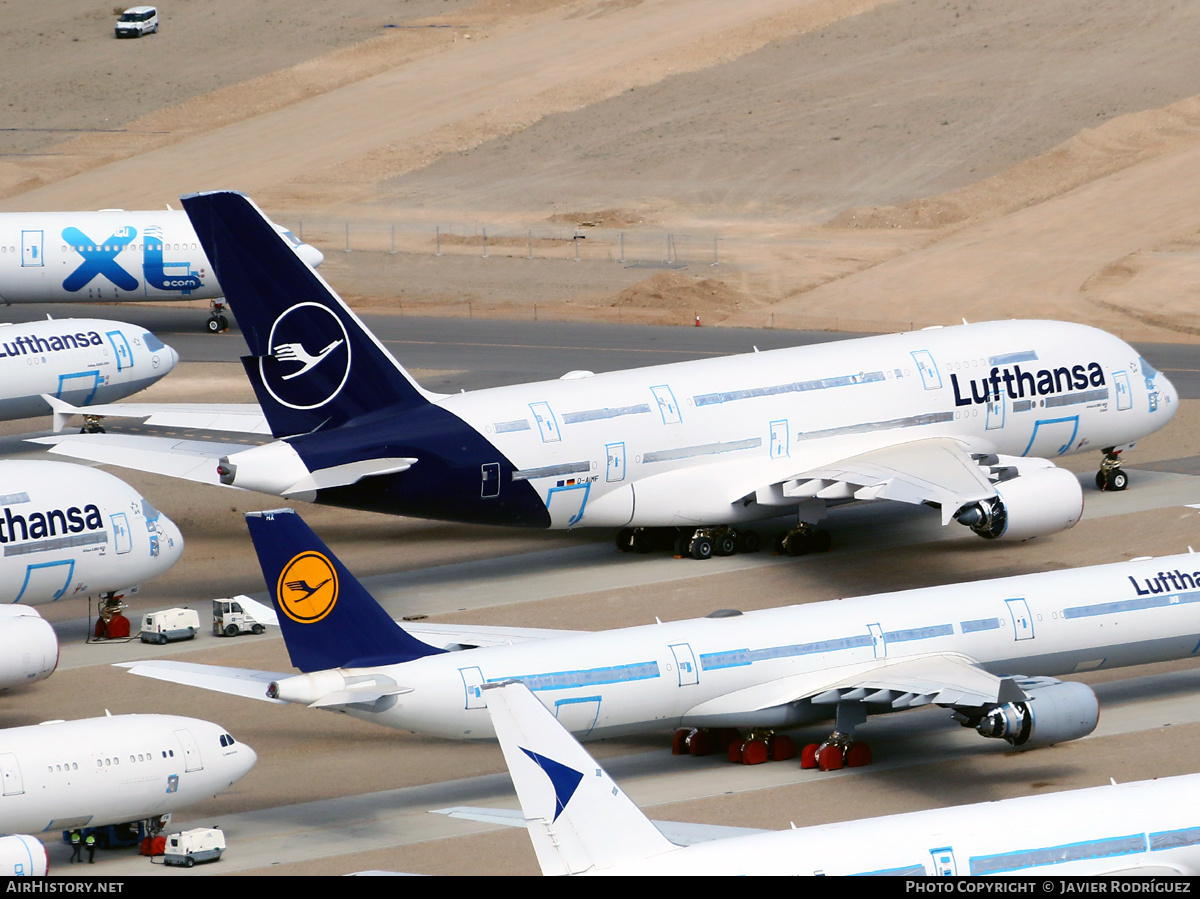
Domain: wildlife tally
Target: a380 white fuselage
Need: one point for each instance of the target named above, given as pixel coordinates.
(69, 530)
(748, 670)
(715, 441)
(98, 771)
(81, 361)
(110, 254)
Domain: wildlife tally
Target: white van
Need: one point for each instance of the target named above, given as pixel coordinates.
(204, 844)
(138, 20)
(170, 624)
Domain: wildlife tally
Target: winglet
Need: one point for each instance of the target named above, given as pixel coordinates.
(578, 819)
(328, 619)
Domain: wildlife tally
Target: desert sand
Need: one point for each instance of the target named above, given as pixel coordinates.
(847, 164)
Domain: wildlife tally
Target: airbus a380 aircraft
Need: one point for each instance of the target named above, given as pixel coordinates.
(581, 822)
(963, 419)
(63, 775)
(112, 254)
(69, 530)
(77, 361)
(985, 653)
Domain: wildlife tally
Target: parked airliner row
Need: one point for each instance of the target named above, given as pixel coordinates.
(72, 531)
(63, 775)
(77, 361)
(986, 652)
(964, 419)
(112, 254)
(581, 822)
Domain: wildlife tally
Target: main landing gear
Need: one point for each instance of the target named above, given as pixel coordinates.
(839, 751)
(1110, 476)
(704, 543)
(217, 322)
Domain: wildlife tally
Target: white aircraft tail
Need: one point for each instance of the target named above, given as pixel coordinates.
(578, 819)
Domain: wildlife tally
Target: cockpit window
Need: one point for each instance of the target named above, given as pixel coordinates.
(148, 511)
(1148, 370)
(152, 343)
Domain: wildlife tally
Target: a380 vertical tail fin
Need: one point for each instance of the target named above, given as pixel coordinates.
(312, 362)
(578, 818)
(327, 617)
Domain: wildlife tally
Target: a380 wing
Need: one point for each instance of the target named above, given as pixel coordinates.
(947, 679)
(935, 470)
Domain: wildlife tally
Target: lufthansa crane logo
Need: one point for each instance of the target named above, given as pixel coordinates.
(307, 589)
(309, 360)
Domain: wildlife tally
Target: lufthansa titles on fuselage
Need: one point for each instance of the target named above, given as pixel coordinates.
(1167, 582)
(77, 525)
(27, 345)
(1019, 384)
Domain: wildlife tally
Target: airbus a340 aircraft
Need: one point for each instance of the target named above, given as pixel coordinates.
(960, 418)
(581, 822)
(62, 257)
(69, 530)
(63, 775)
(985, 653)
(76, 361)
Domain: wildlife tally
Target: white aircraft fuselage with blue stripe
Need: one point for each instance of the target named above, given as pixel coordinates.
(791, 666)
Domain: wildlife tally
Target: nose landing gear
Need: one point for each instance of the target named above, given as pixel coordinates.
(1111, 476)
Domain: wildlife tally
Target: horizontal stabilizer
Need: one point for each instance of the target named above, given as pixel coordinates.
(192, 460)
(245, 682)
(680, 833)
(350, 473)
(237, 418)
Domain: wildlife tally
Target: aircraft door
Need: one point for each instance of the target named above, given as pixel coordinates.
(547, 424)
(121, 350)
(667, 407)
(779, 439)
(10, 774)
(616, 462)
(1124, 394)
(1022, 621)
(878, 640)
(44, 579)
(472, 679)
(122, 538)
(1052, 436)
(490, 476)
(995, 411)
(191, 750)
(685, 664)
(578, 715)
(943, 862)
(931, 378)
(31, 249)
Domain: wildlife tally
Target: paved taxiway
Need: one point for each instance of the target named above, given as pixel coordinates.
(1148, 726)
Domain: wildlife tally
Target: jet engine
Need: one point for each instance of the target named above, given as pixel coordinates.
(28, 647)
(1055, 712)
(23, 856)
(1031, 500)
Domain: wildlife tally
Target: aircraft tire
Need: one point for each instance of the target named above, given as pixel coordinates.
(702, 548)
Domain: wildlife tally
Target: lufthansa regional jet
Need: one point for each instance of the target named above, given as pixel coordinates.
(122, 769)
(581, 822)
(986, 652)
(963, 419)
(113, 255)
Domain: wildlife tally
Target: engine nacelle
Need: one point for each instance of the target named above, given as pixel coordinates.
(23, 856)
(1035, 502)
(1056, 711)
(28, 647)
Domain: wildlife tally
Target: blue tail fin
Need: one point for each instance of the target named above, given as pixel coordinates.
(313, 363)
(328, 619)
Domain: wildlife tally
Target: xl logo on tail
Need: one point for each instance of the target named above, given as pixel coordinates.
(309, 359)
(307, 589)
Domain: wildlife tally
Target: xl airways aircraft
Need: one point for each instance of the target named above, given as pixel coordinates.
(581, 822)
(69, 530)
(112, 254)
(962, 419)
(985, 652)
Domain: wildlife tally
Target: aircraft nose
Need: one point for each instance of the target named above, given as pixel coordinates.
(246, 759)
(170, 541)
(1168, 396)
